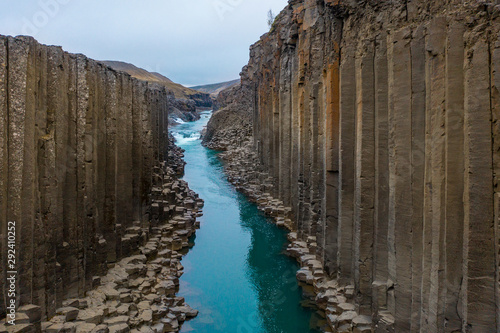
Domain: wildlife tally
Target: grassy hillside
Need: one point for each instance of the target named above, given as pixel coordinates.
(216, 88)
(179, 90)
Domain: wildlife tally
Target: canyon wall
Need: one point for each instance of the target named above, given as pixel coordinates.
(377, 123)
(80, 144)
(231, 123)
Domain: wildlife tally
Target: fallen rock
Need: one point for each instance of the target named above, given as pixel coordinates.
(33, 312)
(117, 321)
(69, 313)
(186, 310)
(85, 328)
(119, 328)
(100, 329)
(91, 316)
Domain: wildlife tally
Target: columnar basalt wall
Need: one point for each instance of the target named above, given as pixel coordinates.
(378, 124)
(78, 145)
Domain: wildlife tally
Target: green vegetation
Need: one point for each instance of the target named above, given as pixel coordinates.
(270, 18)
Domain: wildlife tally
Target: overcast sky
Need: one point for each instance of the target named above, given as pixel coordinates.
(190, 41)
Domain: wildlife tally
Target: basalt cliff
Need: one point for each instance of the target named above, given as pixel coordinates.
(370, 128)
(89, 196)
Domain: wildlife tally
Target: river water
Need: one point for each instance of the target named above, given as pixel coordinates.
(236, 275)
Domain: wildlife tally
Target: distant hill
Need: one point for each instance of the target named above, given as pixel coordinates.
(179, 90)
(216, 88)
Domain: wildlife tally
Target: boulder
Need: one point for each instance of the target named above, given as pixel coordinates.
(70, 313)
(33, 312)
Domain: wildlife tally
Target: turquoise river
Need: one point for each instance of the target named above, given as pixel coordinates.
(237, 274)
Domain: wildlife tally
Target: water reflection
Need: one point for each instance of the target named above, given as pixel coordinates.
(272, 274)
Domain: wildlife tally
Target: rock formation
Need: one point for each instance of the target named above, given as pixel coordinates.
(87, 175)
(230, 119)
(375, 124)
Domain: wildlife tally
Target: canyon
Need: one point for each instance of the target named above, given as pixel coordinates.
(368, 129)
(371, 129)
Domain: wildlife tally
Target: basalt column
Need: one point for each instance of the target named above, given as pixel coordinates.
(78, 144)
(388, 153)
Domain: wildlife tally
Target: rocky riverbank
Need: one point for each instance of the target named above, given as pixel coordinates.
(335, 303)
(230, 131)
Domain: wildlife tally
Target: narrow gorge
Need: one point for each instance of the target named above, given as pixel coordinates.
(348, 182)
